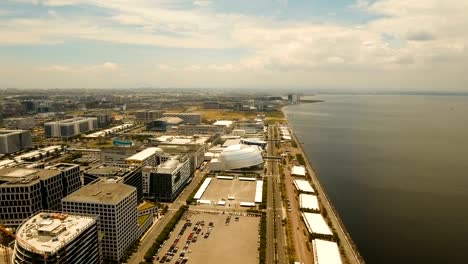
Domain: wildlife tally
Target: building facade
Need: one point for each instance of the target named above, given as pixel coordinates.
(12, 141)
(24, 192)
(57, 238)
(165, 182)
(115, 204)
(70, 174)
(70, 127)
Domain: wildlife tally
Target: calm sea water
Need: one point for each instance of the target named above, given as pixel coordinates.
(396, 169)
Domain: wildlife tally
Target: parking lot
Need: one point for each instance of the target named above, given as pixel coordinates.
(240, 191)
(212, 238)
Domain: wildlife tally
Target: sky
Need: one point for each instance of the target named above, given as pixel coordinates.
(235, 44)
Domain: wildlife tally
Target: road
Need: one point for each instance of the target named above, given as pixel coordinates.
(156, 229)
(276, 242)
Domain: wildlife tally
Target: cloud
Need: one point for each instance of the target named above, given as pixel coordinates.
(403, 42)
(105, 67)
(202, 3)
(419, 36)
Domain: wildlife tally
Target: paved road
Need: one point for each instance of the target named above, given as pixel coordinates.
(276, 242)
(155, 230)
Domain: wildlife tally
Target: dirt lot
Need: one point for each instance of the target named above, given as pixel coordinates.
(231, 243)
(243, 191)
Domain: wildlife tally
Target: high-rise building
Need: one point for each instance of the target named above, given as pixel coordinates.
(12, 141)
(189, 118)
(24, 192)
(57, 238)
(166, 181)
(19, 122)
(70, 127)
(70, 174)
(293, 98)
(128, 174)
(115, 204)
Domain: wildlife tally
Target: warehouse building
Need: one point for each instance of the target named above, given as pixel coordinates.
(12, 141)
(70, 127)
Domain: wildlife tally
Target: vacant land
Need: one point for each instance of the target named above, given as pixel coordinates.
(231, 243)
(219, 189)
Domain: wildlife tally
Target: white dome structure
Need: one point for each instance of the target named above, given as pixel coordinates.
(241, 156)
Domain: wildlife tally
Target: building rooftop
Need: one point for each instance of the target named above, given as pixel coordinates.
(171, 120)
(144, 154)
(71, 120)
(105, 170)
(46, 233)
(101, 192)
(19, 176)
(4, 132)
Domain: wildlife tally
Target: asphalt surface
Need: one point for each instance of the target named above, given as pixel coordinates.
(156, 229)
(276, 242)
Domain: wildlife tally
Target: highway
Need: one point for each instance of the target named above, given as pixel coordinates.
(276, 242)
(156, 229)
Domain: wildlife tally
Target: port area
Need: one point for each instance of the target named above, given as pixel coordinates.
(212, 237)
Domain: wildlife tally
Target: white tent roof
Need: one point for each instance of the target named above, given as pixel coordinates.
(316, 224)
(298, 170)
(303, 185)
(308, 201)
(326, 252)
(202, 189)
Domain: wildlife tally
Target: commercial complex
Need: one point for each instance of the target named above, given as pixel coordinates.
(12, 141)
(115, 204)
(70, 127)
(167, 180)
(57, 238)
(24, 192)
(189, 118)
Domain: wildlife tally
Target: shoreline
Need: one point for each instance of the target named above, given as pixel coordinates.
(350, 249)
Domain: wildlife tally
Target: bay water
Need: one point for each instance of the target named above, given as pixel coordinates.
(395, 168)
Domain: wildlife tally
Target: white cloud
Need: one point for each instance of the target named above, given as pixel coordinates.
(431, 39)
(105, 67)
(202, 3)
